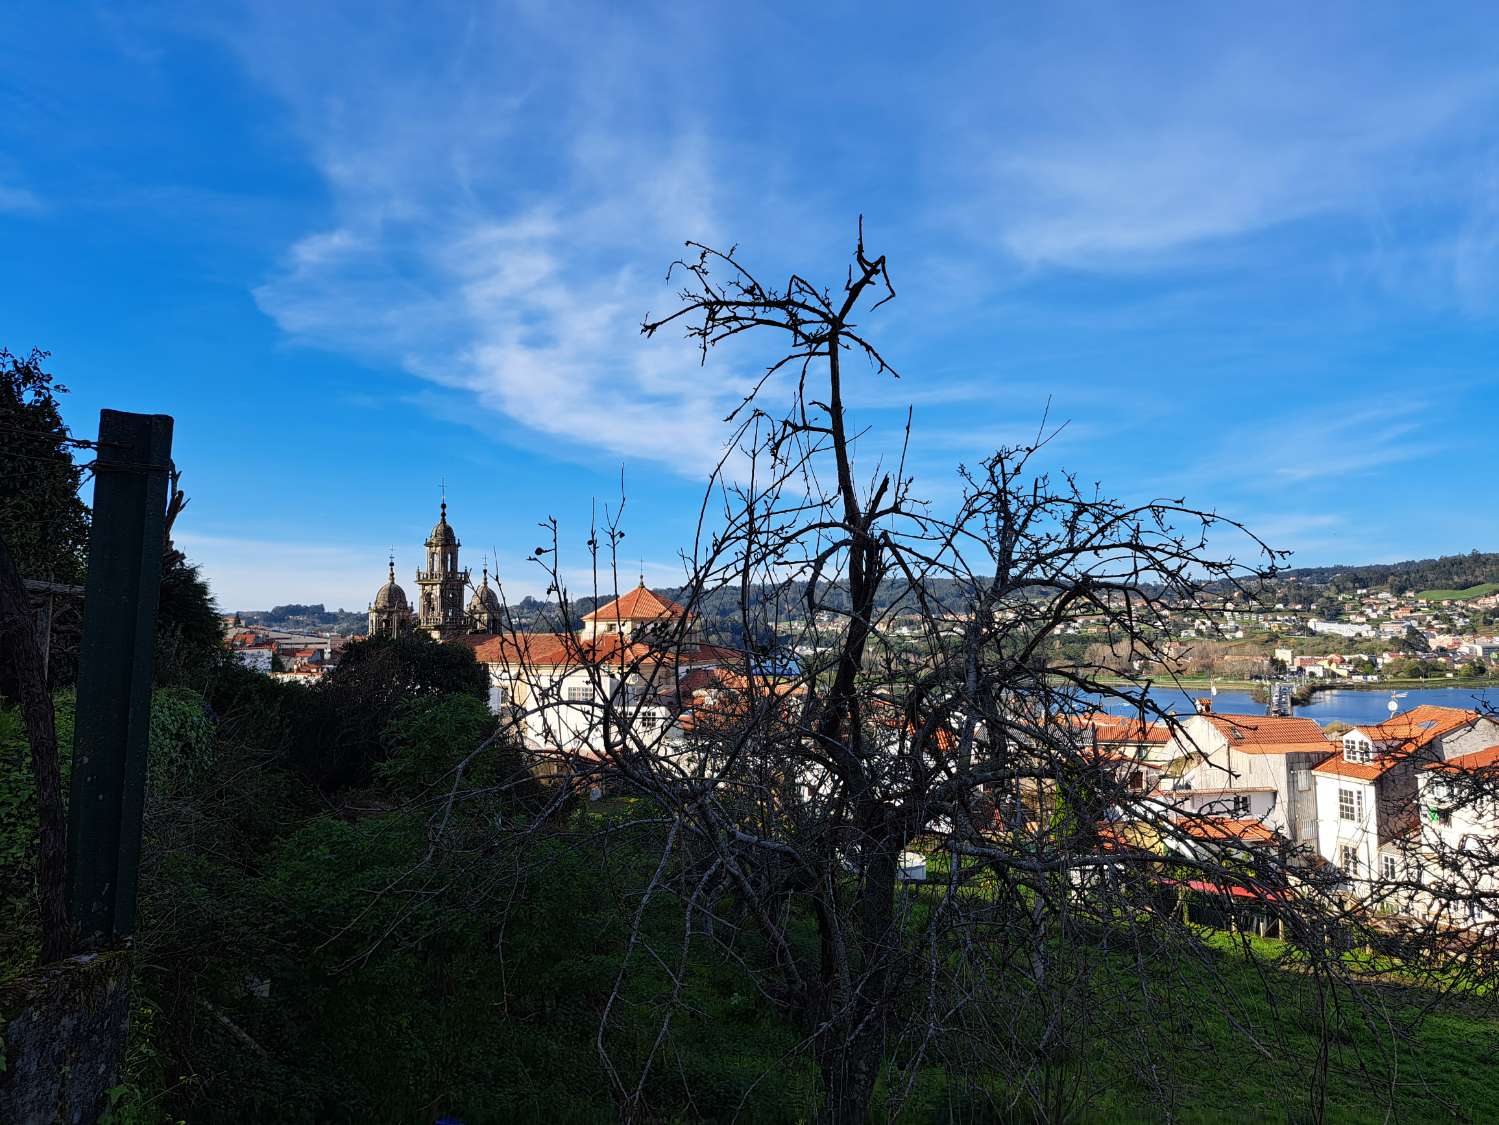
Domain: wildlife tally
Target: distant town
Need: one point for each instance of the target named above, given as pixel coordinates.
(1300, 630)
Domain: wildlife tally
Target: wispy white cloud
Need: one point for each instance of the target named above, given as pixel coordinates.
(1349, 444)
(523, 287)
(1310, 447)
(501, 199)
(18, 199)
(1132, 164)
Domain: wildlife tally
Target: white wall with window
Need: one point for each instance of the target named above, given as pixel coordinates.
(1230, 804)
(1358, 748)
(1347, 828)
(1459, 826)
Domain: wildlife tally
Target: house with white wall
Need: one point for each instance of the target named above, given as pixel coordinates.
(1458, 815)
(1367, 792)
(1247, 768)
(618, 677)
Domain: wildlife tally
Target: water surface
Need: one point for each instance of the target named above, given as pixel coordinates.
(1357, 708)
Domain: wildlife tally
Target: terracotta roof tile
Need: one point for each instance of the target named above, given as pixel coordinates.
(564, 650)
(639, 604)
(1399, 737)
(1419, 726)
(1213, 828)
(1340, 766)
(1262, 734)
(1479, 759)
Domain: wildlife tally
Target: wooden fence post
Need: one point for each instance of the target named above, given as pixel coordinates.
(114, 673)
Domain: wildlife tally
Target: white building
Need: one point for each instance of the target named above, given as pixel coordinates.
(1367, 792)
(256, 657)
(619, 677)
(1247, 768)
(1459, 838)
(1341, 628)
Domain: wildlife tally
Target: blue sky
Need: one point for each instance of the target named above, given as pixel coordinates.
(1253, 257)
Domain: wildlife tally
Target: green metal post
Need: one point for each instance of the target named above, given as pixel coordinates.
(114, 673)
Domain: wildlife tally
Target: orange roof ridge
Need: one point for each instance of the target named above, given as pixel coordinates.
(1267, 734)
(1477, 760)
(640, 604)
(1421, 724)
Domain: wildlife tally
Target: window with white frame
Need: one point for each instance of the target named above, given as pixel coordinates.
(1350, 859)
(1356, 750)
(1350, 805)
(1240, 806)
(579, 693)
(502, 695)
(1389, 867)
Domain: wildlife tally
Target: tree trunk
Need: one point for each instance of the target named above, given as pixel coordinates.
(18, 648)
(854, 1047)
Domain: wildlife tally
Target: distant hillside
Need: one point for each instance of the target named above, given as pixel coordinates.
(1463, 595)
(311, 617)
(1451, 575)
(1450, 572)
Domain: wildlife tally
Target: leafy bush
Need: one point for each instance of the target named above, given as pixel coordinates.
(428, 738)
(182, 741)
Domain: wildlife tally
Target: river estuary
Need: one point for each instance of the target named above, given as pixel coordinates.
(1356, 708)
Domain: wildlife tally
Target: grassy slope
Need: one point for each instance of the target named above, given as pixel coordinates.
(1442, 1072)
(1460, 595)
(1385, 1066)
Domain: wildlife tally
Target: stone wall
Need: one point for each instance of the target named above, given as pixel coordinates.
(63, 1039)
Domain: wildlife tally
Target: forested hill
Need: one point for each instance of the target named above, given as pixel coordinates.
(720, 609)
(1450, 572)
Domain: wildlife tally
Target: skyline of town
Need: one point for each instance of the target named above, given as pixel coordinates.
(344, 290)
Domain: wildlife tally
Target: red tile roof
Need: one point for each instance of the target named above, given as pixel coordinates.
(1262, 734)
(1398, 738)
(639, 604)
(1124, 728)
(1420, 726)
(1479, 759)
(1340, 766)
(564, 650)
(1214, 828)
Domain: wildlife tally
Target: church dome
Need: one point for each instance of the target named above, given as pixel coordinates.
(390, 596)
(442, 531)
(484, 600)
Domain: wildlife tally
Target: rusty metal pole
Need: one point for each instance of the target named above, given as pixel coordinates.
(114, 674)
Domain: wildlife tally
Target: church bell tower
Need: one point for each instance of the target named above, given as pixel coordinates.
(441, 585)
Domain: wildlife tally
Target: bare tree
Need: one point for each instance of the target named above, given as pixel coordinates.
(892, 807)
(791, 793)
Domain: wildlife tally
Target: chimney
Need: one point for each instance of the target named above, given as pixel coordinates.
(1205, 705)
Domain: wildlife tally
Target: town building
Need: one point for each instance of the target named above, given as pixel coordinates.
(390, 612)
(633, 660)
(628, 672)
(442, 584)
(1458, 853)
(1366, 793)
(1247, 768)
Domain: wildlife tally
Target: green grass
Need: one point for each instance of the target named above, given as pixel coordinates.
(1471, 592)
(1384, 1063)
(1189, 1047)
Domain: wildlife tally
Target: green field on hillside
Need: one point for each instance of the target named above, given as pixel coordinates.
(1460, 595)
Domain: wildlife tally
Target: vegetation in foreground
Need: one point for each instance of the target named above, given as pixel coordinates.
(359, 903)
(291, 972)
